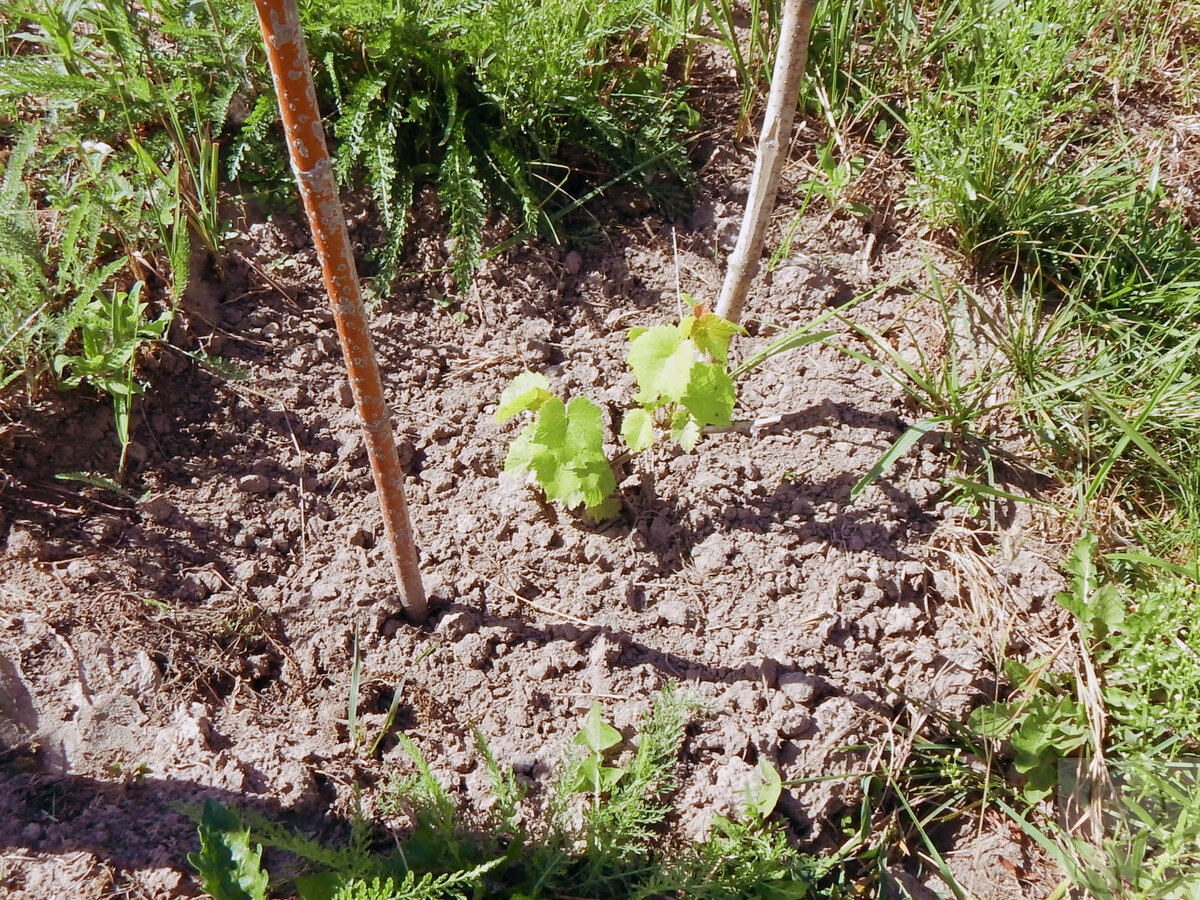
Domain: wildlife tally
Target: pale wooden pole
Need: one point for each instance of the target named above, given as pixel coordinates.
(284, 39)
(790, 58)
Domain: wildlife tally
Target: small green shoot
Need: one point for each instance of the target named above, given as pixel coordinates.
(562, 448)
(762, 796)
(598, 737)
(113, 332)
(682, 379)
(230, 869)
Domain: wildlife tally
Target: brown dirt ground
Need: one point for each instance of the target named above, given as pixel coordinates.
(194, 637)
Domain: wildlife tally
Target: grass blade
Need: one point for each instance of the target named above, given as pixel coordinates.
(903, 444)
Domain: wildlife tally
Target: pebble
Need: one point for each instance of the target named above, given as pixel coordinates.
(84, 569)
(474, 650)
(191, 589)
(801, 687)
(159, 510)
(712, 554)
(253, 484)
(247, 571)
(673, 612)
(573, 263)
(22, 544)
(345, 396)
(457, 625)
(362, 537)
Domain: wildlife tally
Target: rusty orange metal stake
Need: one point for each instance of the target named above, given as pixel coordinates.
(280, 23)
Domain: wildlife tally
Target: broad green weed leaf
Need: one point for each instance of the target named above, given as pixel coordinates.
(1100, 608)
(529, 390)
(711, 334)
(685, 430)
(710, 394)
(1080, 563)
(596, 734)
(597, 778)
(661, 361)
(761, 796)
(230, 869)
(637, 430)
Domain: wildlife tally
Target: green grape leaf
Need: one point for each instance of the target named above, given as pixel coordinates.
(596, 482)
(685, 431)
(711, 334)
(567, 453)
(661, 361)
(230, 869)
(710, 394)
(603, 510)
(529, 390)
(596, 734)
(637, 430)
(521, 452)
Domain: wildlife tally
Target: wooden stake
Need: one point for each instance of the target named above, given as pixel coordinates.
(280, 23)
(790, 58)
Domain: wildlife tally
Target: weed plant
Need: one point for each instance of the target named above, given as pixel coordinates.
(114, 115)
(522, 107)
(604, 835)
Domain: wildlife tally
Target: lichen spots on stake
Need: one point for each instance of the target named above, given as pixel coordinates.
(284, 41)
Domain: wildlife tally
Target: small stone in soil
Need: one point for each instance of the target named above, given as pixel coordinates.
(712, 554)
(191, 589)
(362, 537)
(674, 612)
(474, 650)
(22, 544)
(345, 397)
(800, 687)
(247, 571)
(157, 509)
(253, 484)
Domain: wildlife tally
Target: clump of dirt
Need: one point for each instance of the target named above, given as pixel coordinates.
(194, 636)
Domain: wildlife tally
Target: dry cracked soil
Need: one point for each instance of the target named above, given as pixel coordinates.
(194, 636)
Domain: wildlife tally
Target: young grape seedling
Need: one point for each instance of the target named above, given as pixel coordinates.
(562, 448)
(682, 376)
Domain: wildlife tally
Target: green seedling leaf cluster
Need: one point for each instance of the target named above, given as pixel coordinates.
(113, 330)
(230, 868)
(684, 384)
(682, 379)
(597, 736)
(561, 448)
